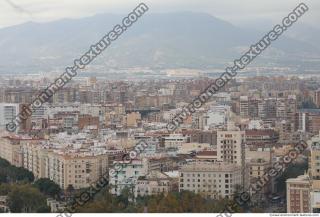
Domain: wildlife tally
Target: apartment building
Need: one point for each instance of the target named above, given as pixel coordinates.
(298, 194)
(8, 112)
(128, 175)
(314, 172)
(76, 169)
(211, 179)
(309, 120)
(34, 158)
(230, 146)
(10, 150)
(257, 168)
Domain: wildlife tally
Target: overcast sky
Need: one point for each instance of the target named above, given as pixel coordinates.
(238, 12)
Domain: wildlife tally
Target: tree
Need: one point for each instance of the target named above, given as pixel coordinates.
(48, 187)
(293, 171)
(9, 173)
(26, 198)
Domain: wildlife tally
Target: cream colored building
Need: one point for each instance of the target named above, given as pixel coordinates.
(10, 150)
(34, 158)
(230, 146)
(133, 119)
(76, 169)
(210, 179)
(186, 148)
(258, 153)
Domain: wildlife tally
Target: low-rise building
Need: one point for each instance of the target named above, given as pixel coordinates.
(153, 183)
(210, 179)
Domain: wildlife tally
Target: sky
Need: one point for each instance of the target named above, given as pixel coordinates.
(238, 12)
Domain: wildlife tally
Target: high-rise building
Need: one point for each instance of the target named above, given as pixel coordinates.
(8, 112)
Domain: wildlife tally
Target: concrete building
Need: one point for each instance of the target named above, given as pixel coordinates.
(10, 150)
(214, 180)
(230, 146)
(8, 112)
(133, 119)
(153, 183)
(76, 169)
(128, 176)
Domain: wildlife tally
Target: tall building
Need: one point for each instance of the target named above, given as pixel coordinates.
(244, 106)
(298, 194)
(8, 112)
(309, 120)
(230, 146)
(10, 150)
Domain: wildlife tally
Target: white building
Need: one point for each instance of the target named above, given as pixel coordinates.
(8, 112)
(173, 141)
(127, 175)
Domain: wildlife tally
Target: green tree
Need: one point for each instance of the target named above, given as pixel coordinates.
(293, 171)
(9, 173)
(48, 187)
(26, 199)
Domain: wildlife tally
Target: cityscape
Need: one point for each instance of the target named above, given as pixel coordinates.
(224, 138)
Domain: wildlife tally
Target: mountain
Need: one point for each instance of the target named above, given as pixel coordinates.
(168, 40)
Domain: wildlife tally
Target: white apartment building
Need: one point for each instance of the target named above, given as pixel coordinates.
(211, 179)
(128, 174)
(217, 116)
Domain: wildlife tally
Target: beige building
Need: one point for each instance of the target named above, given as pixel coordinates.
(10, 150)
(76, 169)
(133, 119)
(257, 168)
(230, 146)
(34, 158)
(186, 148)
(210, 179)
(253, 153)
(298, 194)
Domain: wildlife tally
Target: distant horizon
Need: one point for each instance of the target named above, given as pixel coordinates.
(246, 13)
